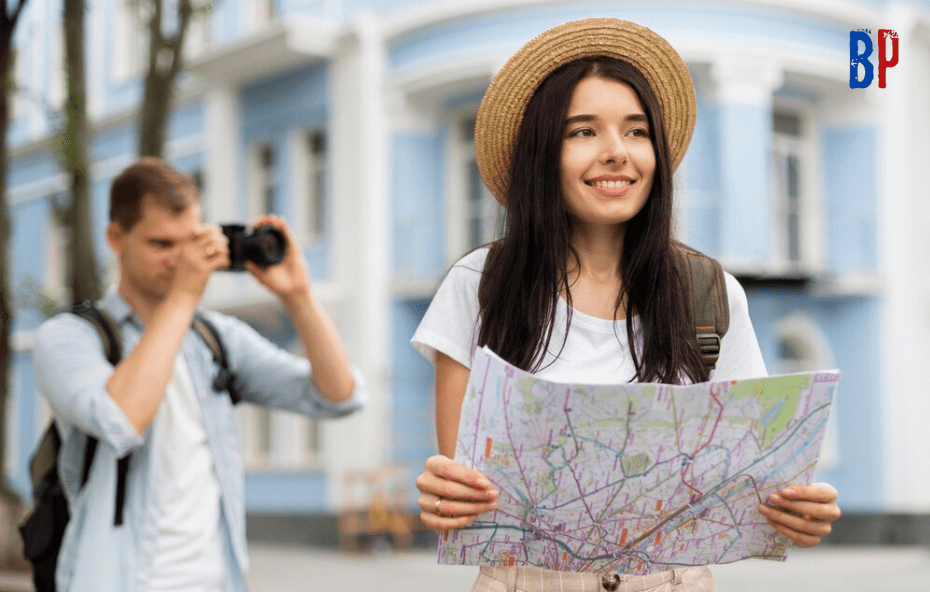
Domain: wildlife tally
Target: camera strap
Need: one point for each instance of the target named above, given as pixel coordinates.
(225, 380)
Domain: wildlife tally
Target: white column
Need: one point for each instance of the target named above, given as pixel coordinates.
(361, 243)
(96, 41)
(905, 248)
(221, 143)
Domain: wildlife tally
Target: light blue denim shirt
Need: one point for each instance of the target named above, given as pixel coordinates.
(72, 372)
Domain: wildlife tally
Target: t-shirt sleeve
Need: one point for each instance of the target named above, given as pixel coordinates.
(450, 323)
(740, 356)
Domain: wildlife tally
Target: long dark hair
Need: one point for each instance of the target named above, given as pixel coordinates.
(527, 269)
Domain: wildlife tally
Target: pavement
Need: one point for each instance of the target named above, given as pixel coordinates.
(823, 569)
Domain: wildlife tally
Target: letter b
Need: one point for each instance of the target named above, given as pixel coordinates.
(856, 58)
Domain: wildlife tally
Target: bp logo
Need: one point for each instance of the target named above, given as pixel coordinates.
(860, 50)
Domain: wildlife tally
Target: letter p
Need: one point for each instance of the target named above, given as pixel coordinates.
(856, 58)
(884, 62)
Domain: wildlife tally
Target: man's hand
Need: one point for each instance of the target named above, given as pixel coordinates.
(205, 252)
(803, 513)
(288, 279)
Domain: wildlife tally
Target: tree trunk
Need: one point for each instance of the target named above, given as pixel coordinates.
(11, 507)
(153, 114)
(165, 61)
(82, 277)
(6, 294)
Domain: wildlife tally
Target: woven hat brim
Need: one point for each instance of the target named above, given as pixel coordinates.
(503, 105)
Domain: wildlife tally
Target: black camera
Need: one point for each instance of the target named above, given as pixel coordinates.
(263, 245)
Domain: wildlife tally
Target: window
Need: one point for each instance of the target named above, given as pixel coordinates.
(197, 177)
(275, 440)
(475, 214)
(791, 164)
(309, 166)
(280, 440)
(316, 161)
(264, 194)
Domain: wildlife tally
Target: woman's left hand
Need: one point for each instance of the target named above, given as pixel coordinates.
(803, 513)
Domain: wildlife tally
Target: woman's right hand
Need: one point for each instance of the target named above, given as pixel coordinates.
(463, 494)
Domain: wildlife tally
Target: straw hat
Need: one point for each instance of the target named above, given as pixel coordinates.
(501, 110)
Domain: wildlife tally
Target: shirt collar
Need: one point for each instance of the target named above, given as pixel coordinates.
(118, 308)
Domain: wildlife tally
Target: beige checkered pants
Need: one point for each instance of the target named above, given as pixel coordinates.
(534, 579)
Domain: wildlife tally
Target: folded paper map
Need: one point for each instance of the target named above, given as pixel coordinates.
(632, 478)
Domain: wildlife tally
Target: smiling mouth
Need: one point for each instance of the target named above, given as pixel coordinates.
(604, 184)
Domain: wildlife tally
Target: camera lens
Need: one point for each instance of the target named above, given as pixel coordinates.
(270, 246)
(264, 245)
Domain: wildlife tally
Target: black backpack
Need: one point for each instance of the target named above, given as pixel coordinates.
(43, 530)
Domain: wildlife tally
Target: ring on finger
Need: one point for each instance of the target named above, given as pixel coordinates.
(436, 506)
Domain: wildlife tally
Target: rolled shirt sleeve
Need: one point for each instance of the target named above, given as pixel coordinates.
(269, 376)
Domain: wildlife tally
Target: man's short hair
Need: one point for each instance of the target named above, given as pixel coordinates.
(153, 177)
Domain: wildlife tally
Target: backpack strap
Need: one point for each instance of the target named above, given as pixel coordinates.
(708, 306)
(43, 460)
(225, 380)
(112, 341)
(106, 327)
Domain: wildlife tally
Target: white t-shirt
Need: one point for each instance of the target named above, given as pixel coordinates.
(188, 547)
(596, 350)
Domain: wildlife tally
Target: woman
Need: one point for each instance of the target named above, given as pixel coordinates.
(578, 136)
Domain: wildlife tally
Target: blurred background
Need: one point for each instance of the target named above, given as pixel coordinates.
(353, 119)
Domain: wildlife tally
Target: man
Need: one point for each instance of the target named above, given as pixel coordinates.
(184, 517)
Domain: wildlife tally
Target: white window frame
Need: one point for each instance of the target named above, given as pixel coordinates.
(259, 177)
(308, 191)
(461, 159)
(809, 207)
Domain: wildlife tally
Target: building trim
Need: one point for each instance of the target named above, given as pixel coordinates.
(418, 18)
(109, 167)
(185, 97)
(279, 46)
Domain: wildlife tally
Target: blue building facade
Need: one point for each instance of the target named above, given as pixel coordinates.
(354, 119)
